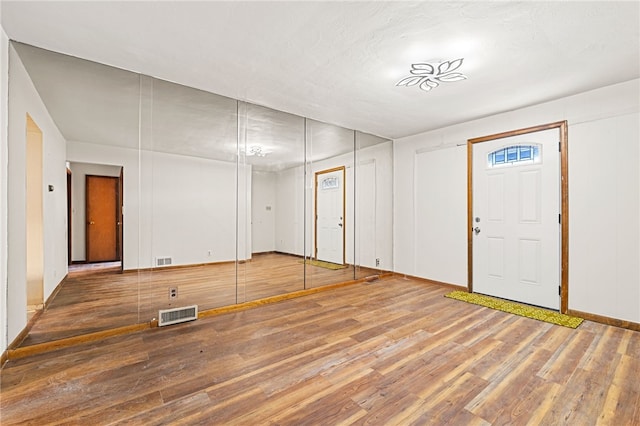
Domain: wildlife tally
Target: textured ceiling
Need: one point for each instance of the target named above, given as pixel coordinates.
(338, 62)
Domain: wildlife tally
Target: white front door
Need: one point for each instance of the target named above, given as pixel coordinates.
(515, 218)
(330, 215)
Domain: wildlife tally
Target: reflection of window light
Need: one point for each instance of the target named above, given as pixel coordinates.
(514, 155)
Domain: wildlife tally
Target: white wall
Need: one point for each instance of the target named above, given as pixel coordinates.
(601, 122)
(192, 210)
(263, 211)
(440, 177)
(175, 206)
(79, 172)
(24, 99)
(604, 216)
(290, 211)
(4, 119)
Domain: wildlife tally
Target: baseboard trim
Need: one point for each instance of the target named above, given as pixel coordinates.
(605, 320)
(630, 325)
(39, 348)
(25, 331)
(282, 297)
(428, 281)
(174, 267)
(55, 292)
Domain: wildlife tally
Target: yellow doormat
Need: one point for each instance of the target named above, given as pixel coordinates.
(517, 308)
(323, 264)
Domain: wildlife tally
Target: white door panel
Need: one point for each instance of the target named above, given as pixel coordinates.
(516, 206)
(330, 216)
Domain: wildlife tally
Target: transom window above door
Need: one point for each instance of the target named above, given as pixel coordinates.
(330, 183)
(514, 155)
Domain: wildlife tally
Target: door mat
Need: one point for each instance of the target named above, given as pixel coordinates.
(516, 308)
(323, 264)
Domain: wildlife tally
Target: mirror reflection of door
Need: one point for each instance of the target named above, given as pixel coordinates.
(103, 216)
(330, 213)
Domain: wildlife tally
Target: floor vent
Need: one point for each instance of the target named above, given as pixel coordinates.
(163, 261)
(177, 315)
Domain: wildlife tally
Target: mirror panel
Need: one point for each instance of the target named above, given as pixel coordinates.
(93, 109)
(374, 205)
(271, 150)
(190, 204)
(329, 198)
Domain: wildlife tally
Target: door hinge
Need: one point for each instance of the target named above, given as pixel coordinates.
(559, 291)
(560, 146)
(560, 218)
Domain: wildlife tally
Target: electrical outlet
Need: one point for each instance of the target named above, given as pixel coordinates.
(378, 261)
(173, 293)
(209, 253)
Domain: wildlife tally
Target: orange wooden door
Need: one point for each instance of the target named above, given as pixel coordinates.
(102, 218)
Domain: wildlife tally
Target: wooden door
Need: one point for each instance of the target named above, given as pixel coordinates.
(102, 218)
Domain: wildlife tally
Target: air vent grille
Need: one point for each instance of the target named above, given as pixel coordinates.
(177, 315)
(163, 261)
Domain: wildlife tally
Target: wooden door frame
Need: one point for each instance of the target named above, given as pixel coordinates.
(117, 213)
(564, 201)
(69, 214)
(120, 219)
(315, 208)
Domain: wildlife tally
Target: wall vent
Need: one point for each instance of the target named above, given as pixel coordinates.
(163, 261)
(177, 315)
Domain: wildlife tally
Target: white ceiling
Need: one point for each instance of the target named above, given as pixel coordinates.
(338, 62)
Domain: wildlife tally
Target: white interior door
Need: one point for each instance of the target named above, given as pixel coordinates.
(516, 208)
(330, 216)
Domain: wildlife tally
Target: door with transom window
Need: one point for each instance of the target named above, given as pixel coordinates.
(330, 211)
(516, 227)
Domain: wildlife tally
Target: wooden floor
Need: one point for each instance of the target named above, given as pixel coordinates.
(393, 351)
(100, 299)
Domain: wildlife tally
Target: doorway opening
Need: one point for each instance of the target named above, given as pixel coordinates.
(34, 216)
(95, 217)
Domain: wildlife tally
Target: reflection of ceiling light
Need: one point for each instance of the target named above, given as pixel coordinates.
(257, 150)
(429, 75)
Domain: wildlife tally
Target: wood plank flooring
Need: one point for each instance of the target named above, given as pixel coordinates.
(105, 299)
(394, 351)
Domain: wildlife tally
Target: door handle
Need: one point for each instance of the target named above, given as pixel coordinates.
(476, 230)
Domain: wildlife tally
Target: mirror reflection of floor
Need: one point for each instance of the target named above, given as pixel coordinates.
(99, 297)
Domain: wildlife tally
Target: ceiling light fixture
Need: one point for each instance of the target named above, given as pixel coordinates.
(257, 151)
(429, 75)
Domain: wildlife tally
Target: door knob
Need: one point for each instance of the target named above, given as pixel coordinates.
(92, 223)
(340, 225)
(476, 230)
